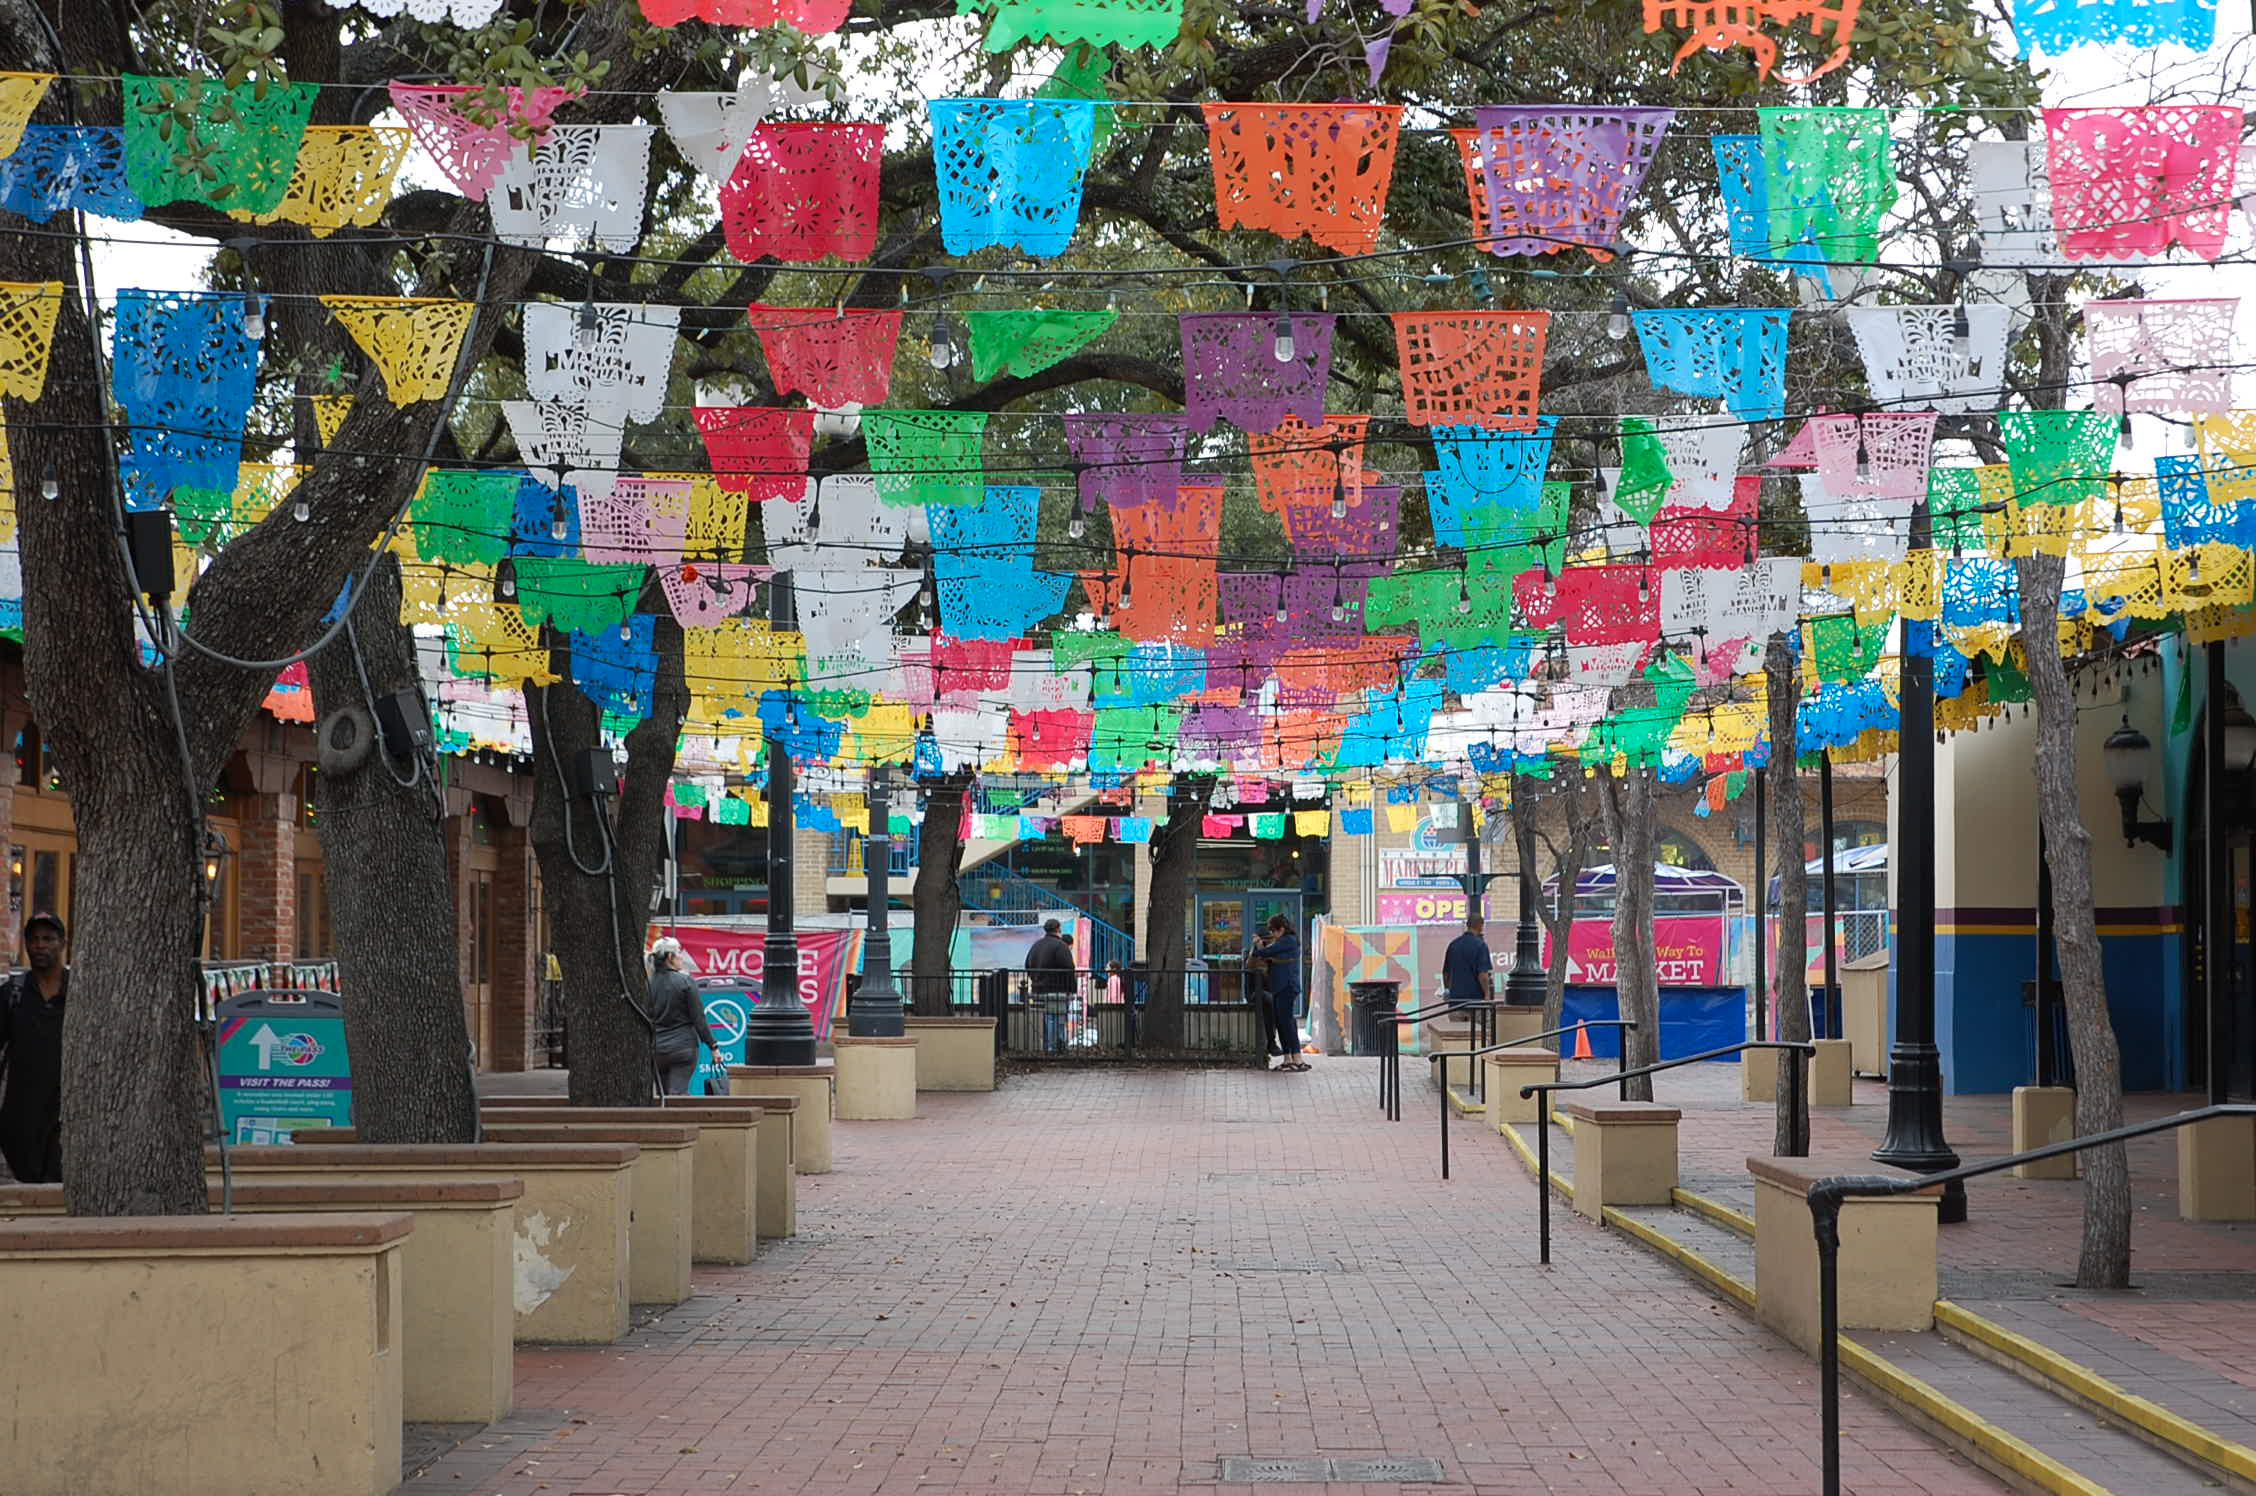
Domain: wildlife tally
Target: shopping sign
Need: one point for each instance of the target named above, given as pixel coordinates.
(1688, 952)
(825, 956)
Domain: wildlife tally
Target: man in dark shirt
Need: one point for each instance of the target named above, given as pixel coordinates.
(1280, 958)
(1467, 967)
(31, 1052)
(1049, 972)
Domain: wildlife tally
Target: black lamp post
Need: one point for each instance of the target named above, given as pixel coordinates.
(875, 1011)
(1915, 1066)
(780, 1030)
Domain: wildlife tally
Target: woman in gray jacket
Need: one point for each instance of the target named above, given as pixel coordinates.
(678, 1014)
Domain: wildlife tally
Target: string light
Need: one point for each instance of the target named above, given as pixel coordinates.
(1617, 320)
(943, 344)
(50, 485)
(1284, 350)
(254, 317)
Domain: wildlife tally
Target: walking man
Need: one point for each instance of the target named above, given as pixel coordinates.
(1049, 971)
(1280, 955)
(1467, 968)
(31, 1052)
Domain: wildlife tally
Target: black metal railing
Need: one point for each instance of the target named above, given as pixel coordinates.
(1447, 1055)
(1825, 1200)
(1795, 1094)
(1094, 1015)
(1481, 1016)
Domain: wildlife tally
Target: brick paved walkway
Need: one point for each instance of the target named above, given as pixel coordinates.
(1105, 1281)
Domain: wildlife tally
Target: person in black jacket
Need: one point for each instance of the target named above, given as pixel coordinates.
(1049, 971)
(1280, 960)
(31, 1053)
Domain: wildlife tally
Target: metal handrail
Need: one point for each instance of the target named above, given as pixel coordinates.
(1390, 1057)
(1467, 1054)
(1543, 1111)
(1826, 1197)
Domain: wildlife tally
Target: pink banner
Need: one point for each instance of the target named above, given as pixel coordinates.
(825, 956)
(1688, 951)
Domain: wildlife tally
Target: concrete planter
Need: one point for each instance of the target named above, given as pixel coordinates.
(815, 1087)
(1887, 1262)
(1624, 1153)
(776, 1213)
(1510, 1069)
(724, 1177)
(663, 1186)
(877, 1078)
(128, 1347)
(568, 1247)
(954, 1054)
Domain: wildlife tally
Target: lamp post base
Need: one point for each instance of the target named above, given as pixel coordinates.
(1914, 1140)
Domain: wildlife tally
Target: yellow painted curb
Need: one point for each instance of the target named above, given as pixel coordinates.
(2022, 1458)
(2025, 1460)
(1464, 1105)
(1527, 1156)
(1715, 1210)
(1683, 1256)
(2111, 1399)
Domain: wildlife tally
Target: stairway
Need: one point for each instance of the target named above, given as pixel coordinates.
(1985, 1382)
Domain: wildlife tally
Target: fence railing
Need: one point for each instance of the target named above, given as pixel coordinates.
(1827, 1196)
(1082, 1017)
(1793, 1094)
(1021, 900)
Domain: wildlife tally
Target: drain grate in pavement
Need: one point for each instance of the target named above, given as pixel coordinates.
(1238, 1469)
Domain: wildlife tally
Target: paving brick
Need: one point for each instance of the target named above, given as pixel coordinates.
(1082, 1282)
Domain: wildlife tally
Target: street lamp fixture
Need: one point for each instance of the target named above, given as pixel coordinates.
(2129, 757)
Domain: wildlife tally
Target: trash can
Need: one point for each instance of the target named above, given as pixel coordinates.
(282, 1064)
(1375, 1002)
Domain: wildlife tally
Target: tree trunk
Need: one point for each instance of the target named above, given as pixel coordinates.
(938, 898)
(1629, 827)
(1789, 957)
(1571, 856)
(2105, 1258)
(1174, 857)
(383, 847)
(599, 880)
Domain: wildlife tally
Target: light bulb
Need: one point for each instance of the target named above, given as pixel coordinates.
(506, 584)
(1617, 320)
(557, 528)
(2130, 442)
(943, 344)
(1962, 333)
(626, 632)
(1284, 350)
(1464, 594)
(254, 317)
(50, 486)
(1339, 611)
(1644, 586)
(2118, 518)
(301, 511)
(1283, 615)
(590, 328)
(1074, 529)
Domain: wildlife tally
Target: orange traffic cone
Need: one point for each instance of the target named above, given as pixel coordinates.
(1582, 1043)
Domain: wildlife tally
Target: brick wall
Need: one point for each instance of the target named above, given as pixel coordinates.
(266, 877)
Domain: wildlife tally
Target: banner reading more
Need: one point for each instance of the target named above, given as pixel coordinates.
(1688, 952)
(825, 956)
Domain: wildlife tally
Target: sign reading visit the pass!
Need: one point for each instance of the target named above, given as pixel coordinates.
(282, 1065)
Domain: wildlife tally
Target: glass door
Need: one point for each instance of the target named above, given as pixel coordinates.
(1221, 946)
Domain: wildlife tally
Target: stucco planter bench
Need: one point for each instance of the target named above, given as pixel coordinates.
(663, 1185)
(877, 1077)
(1624, 1153)
(815, 1086)
(1510, 1069)
(568, 1248)
(954, 1054)
(1886, 1268)
(245, 1355)
(778, 1211)
(1443, 1036)
(456, 1317)
(724, 1172)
